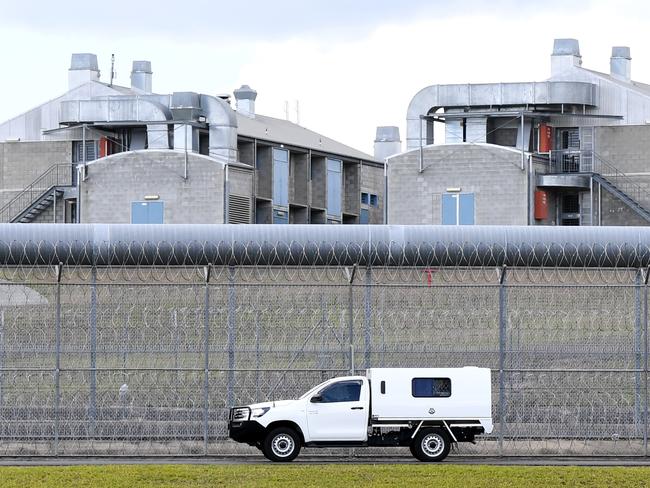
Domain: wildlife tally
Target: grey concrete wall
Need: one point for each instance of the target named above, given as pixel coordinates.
(372, 181)
(351, 190)
(491, 172)
(23, 162)
(627, 147)
(116, 181)
(318, 182)
(299, 178)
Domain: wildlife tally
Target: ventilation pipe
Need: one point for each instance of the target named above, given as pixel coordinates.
(83, 69)
(387, 142)
(245, 97)
(566, 56)
(141, 76)
(222, 125)
(620, 64)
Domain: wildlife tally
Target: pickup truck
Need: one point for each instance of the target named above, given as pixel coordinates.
(425, 409)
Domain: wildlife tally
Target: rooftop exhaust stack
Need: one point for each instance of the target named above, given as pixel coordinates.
(245, 97)
(566, 55)
(387, 142)
(141, 75)
(620, 64)
(83, 68)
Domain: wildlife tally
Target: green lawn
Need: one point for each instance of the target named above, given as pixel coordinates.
(345, 475)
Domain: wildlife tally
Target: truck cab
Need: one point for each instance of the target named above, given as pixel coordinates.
(426, 409)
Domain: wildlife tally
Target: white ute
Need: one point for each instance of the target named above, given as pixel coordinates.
(425, 409)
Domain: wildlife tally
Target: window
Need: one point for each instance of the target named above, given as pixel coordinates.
(147, 212)
(280, 177)
(334, 186)
(431, 387)
(458, 209)
(343, 391)
(374, 200)
(365, 198)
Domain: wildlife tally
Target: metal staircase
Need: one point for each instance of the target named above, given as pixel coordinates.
(610, 178)
(38, 196)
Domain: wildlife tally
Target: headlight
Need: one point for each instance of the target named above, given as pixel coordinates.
(258, 412)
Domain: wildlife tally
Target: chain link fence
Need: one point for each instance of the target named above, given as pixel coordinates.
(146, 360)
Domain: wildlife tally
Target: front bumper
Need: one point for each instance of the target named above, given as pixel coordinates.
(247, 431)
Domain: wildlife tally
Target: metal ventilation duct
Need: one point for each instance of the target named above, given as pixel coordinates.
(319, 245)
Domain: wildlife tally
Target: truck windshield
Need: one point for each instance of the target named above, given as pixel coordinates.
(314, 389)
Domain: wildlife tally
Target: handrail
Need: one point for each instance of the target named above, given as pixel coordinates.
(580, 161)
(59, 174)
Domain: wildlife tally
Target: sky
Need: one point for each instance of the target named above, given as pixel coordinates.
(350, 65)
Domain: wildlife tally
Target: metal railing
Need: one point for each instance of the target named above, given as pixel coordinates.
(581, 161)
(56, 175)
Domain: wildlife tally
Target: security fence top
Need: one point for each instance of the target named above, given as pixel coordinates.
(323, 245)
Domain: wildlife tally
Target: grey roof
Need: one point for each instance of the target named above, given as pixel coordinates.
(286, 132)
(642, 87)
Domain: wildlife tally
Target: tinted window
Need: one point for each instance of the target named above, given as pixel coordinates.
(344, 391)
(431, 387)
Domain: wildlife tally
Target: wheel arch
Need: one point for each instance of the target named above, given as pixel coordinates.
(287, 423)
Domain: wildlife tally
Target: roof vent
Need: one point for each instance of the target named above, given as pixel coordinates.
(83, 68)
(387, 142)
(620, 64)
(566, 55)
(245, 97)
(141, 76)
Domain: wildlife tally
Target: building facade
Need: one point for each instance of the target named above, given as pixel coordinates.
(111, 154)
(571, 150)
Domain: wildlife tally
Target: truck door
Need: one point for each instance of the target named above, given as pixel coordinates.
(339, 412)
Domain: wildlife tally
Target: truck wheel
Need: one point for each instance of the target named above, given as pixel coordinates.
(281, 445)
(431, 445)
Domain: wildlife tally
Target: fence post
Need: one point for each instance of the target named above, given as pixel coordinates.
(92, 411)
(502, 352)
(350, 276)
(232, 305)
(367, 319)
(637, 348)
(645, 360)
(206, 357)
(57, 360)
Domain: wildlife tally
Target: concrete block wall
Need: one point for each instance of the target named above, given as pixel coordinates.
(627, 147)
(351, 192)
(372, 181)
(492, 173)
(23, 162)
(116, 181)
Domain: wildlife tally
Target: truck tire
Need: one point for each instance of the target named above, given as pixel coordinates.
(281, 445)
(431, 445)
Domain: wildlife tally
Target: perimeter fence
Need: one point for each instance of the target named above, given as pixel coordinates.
(142, 359)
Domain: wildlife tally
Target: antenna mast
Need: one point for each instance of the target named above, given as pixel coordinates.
(112, 69)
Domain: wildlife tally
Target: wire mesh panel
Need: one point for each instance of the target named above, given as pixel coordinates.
(147, 360)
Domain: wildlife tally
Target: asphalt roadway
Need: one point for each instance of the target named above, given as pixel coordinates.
(202, 460)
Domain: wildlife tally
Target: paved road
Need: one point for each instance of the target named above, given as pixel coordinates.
(496, 461)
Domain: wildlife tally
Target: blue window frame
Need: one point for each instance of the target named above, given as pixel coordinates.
(365, 198)
(458, 209)
(374, 200)
(334, 186)
(147, 212)
(280, 177)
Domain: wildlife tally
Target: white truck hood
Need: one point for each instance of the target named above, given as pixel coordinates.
(279, 403)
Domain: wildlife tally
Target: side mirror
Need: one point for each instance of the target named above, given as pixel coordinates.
(316, 399)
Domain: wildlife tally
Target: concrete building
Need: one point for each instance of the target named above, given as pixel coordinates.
(109, 154)
(571, 150)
